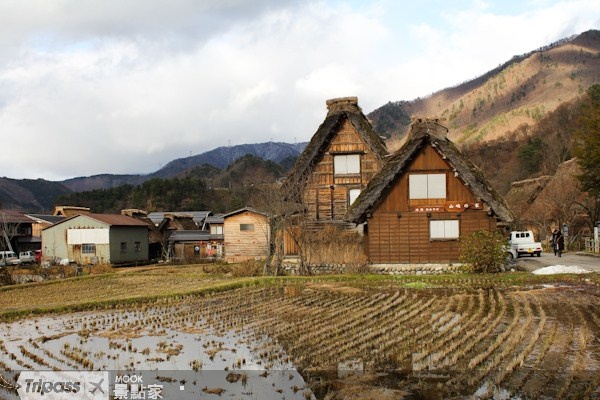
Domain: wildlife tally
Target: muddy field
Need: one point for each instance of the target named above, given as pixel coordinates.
(346, 340)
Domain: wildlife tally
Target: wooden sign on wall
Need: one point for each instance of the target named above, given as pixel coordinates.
(458, 206)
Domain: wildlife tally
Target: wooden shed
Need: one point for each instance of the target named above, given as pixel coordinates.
(424, 199)
(246, 233)
(337, 164)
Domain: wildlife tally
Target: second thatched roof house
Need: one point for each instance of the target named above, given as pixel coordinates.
(424, 199)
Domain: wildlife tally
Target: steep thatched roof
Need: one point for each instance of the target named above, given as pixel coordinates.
(561, 191)
(341, 109)
(425, 132)
(523, 193)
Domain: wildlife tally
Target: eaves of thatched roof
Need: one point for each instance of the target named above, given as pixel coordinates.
(422, 133)
(340, 109)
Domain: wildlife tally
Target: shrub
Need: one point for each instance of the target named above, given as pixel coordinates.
(248, 268)
(484, 251)
(334, 246)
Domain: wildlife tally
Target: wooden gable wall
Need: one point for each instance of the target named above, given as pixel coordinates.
(399, 228)
(326, 195)
(427, 161)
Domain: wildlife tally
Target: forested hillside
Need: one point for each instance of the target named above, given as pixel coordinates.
(531, 150)
(202, 188)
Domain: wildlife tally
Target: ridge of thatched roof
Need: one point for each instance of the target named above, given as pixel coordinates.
(541, 180)
(423, 132)
(340, 109)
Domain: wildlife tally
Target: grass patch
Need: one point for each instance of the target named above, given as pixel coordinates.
(148, 284)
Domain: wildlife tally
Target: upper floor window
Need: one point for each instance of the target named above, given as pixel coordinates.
(246, 227)
(427, 186)
(346, 164)
(216, 229)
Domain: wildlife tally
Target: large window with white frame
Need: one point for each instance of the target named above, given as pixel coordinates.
(346, 164)
(444, 229)
(427, 186)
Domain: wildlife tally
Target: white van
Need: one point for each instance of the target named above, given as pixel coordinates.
(9, 258)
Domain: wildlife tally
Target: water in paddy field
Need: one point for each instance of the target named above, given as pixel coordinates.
(192, 359)
(360, 342)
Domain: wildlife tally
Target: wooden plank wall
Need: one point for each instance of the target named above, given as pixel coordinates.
(290, 248)
(405, 239)
(246, 244)
(326, 195)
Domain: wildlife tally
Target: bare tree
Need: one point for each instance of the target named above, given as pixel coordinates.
(562, 202)
(9, 228)
(284, 217)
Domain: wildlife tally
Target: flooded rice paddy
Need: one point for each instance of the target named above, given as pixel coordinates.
(331, 341)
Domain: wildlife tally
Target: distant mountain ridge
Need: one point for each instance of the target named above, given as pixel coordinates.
(38, 194)
(222, 157)
(519, 91)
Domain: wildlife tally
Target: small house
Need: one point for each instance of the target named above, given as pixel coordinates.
(426, 197)
(247, 235)
(97, 238)
(196, 246)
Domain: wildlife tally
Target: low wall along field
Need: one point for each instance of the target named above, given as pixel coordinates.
(343, 336)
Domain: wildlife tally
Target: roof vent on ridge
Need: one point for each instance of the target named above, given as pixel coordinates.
(343, 104)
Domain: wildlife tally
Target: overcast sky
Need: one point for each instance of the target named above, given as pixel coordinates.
(125, 86)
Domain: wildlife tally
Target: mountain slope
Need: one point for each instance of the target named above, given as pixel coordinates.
(34, 195)
(520, 91)
(220, 157)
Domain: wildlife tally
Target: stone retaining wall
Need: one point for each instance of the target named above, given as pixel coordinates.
(415, 269)
(291, 267)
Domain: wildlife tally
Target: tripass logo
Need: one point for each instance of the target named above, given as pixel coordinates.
(63, 385)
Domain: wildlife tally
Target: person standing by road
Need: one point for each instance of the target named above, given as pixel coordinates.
(553, 240)
(559, 243)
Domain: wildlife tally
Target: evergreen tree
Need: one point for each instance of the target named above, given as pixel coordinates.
(587, 148)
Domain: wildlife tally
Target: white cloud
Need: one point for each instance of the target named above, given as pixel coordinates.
(124, 87)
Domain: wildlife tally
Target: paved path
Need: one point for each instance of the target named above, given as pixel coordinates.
(547, 259)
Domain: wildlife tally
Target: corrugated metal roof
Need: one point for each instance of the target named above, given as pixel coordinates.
(241, 210)
(14, 217)
(46, 218)
(193, 236)
(215, 219)
(197, 216)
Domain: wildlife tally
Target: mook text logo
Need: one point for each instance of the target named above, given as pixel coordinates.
(63, 385)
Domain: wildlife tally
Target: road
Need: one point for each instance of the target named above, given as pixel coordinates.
(547, 259)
